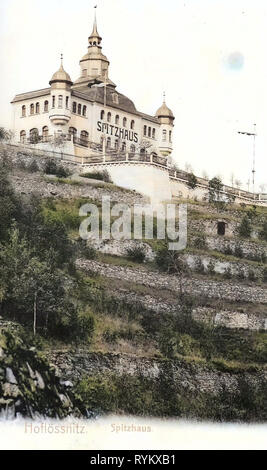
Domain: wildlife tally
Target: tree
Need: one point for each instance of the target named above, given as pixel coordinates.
(263, 231)
(191, 181)
(245, 227)
(215, 195)
(32, 290)
(9, 203)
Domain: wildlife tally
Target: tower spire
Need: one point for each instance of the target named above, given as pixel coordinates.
(95, 39)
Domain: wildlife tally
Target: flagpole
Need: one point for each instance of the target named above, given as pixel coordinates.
(254, 154)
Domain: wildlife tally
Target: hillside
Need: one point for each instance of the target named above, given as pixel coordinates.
(134, 327)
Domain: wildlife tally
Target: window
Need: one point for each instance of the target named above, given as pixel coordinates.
(74, 107)
(84, 135)
(72, 131)
(84, 73)
(123, 146)
(221, 228)
(53, 101)
(46, 104)
(115, 98)
(23, 111)
(116, 144)
(164, 135)
(132, 148)
(84, 110)
(154, 133)
(102, 115)
(109, 117)
(132, 124)
(32, 109)
(23, 137)
(124, 122)
(34, 136)
(144, 130)
(108, 143)
(79, 109)
(37, 108)
(117, 119)
(45, 133)
(60, 101)
(67, 102)
(170, 136)
(149, 132)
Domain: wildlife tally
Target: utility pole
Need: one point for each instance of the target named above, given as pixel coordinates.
(253, 134)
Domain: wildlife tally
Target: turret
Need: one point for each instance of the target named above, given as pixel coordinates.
(166, 118)
(60, 110)
(94, 65)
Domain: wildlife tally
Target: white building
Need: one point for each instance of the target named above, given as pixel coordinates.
(90, 115)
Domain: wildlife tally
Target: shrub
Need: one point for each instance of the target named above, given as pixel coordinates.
(52, 168)
(191, 181)
(238, 252)
(199, 266)
(170, 261)
(252, 275)
(98, 175)
(263, 232)
(200, 242)
(245, 227)
(86, 250)
(211, 267)
(137, 253)
(33, 167)
(227, 273)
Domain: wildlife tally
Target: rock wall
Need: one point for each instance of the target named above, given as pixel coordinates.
(192, 377)
(197, 287)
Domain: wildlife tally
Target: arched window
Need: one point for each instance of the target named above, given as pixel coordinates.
(149, 132)
(23, 137)
(37, 108)
(117, 119)
(46, 104)
(67, 102)
(132, 124)
(102, 115)
(144, 130)
(154, 133)
(164, 135)
(74, 107)
(124, 122)
(108, 143)
(79, 109)
(102, 141)
(72, 131)
(132, 148)
(23, 111)
(84, 110)
(170, 136)
(34, 136)
(53, 101)
(60, 101)
(123, 146)
(109, 117)
(116, 144)
(84, 135)
(45, 133)
(32, 108)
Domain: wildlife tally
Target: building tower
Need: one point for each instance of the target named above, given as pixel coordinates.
(94, 65)
(60, 110)
(166, 118)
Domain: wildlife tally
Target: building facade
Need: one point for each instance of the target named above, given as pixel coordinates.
(89, 116)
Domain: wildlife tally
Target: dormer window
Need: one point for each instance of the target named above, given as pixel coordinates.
(115, 98)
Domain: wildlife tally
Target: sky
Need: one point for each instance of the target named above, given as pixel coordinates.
(209, 56)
